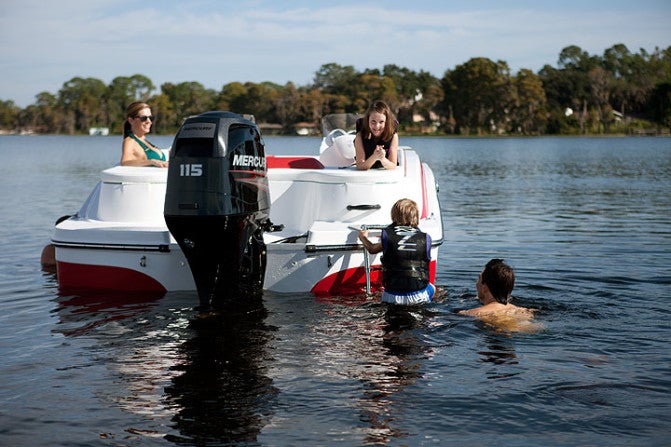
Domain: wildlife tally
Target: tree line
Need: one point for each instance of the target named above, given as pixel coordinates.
(617, 92)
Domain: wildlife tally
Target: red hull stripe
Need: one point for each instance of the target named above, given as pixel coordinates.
(348, 282)
(103, 277)
(353, 281)
(425, 198)
(99, 277)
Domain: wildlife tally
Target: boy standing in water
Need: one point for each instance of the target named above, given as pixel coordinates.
(406, 253)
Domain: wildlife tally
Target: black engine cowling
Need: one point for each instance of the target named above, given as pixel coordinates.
(217, 203)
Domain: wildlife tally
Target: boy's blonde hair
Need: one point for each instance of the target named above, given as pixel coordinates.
(405, 212)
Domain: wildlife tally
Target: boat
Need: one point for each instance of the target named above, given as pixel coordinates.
(226, 217)
(99, 131)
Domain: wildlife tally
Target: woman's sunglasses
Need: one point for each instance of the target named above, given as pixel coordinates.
(145, 118)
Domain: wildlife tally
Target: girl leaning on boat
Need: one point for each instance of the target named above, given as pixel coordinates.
(136, 150)
(376, 141)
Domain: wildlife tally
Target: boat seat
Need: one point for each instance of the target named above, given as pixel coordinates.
(279, 162)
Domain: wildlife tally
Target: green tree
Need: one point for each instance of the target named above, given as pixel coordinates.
(250, 99)
(479, 94)
(185, 99)
(574, 58)
(430, 95)
(83, 103)
(312, 104)
(48, 112)
(259, 101)
(600, 87)
(232, 97)
(579, 95)
(336, 79)
(167, 118)
(529, 112)
(9, 115)
(568, 88)
(660, 104)
(372, 87)
(619, 62)
(427, 104)
(647, 70)
(411, 88)
(287, 106)
(125, 90)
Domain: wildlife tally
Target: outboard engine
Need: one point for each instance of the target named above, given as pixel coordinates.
(217, 203)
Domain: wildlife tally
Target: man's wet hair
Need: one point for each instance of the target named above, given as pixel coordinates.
(500, 279)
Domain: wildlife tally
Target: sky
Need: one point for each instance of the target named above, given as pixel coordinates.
(44, 44)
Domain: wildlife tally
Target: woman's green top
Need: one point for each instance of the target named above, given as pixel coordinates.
(151, 154)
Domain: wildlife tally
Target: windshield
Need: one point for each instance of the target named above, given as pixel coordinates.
(343, 121)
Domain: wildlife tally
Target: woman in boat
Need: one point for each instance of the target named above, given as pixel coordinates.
(406, 253)
(376, 141)
(136, 149)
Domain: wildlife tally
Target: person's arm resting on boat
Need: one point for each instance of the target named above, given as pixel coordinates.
(388, 159)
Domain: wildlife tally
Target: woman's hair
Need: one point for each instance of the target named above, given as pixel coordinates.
(500, 279)
(390, 124)
(405, 212)
(131, 112)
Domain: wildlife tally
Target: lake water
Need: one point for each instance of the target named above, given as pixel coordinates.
(585, 222)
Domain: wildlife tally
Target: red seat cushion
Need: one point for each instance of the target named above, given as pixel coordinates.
(274, 162)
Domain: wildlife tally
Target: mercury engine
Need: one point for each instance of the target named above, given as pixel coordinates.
(217, 203)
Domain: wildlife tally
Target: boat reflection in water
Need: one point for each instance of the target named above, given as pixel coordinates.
(398, 365)
(361, 358)
(173, 371)
(160, 368)
(222, 393)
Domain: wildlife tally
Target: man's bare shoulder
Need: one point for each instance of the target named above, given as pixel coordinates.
(506, 318)
(498, 309)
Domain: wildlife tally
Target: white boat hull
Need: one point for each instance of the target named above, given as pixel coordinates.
(119, 240)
